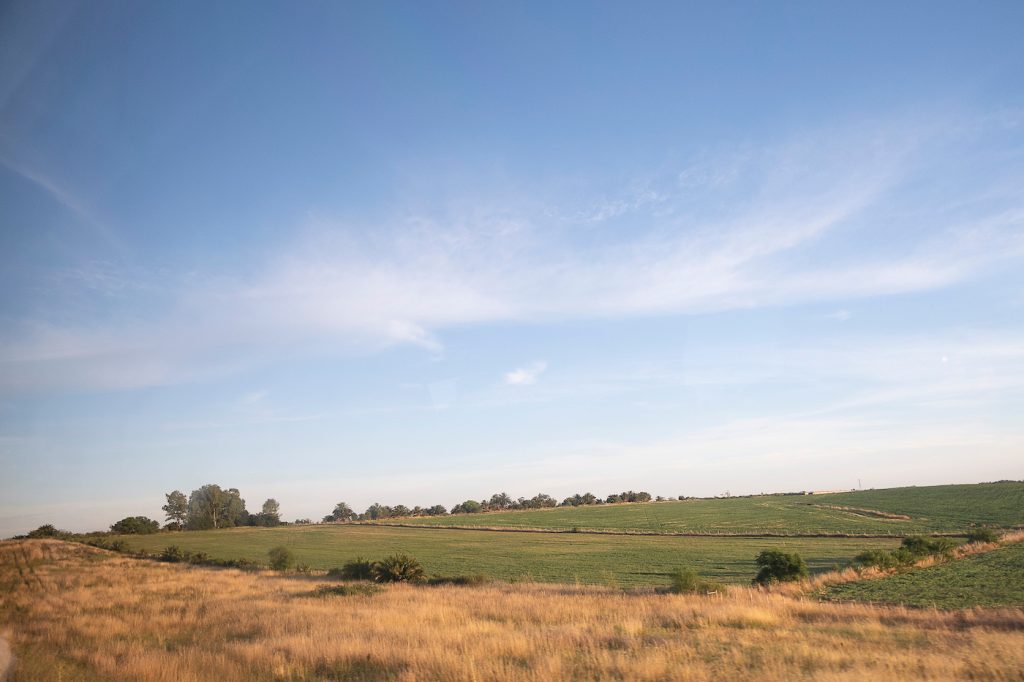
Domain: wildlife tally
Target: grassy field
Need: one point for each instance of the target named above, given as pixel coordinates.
(947, 509)
(547, 557)
(992, 579)
(73, 613)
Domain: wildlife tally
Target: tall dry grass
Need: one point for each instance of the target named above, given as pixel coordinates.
(85, 613)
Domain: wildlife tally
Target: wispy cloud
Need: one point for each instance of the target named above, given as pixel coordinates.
(778, 232)
(68, 200)
(525, 376)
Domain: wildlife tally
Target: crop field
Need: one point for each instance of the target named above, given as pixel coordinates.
(933, 509)
(74, 613)
(547, 557)
(992, 579)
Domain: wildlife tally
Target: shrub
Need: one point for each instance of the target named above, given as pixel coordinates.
(199, 558)
(398, 568)
(687, 581)
(778, 566)
(921, 547)
(983, 535)
(876, 557)
(172, 554)
(357, 569)
(118, 546)
(135, 525)
(281, 558)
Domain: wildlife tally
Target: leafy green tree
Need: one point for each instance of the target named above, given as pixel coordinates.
(176, 509)
(500, 501)
(212, 507)
(281, 558)
(437, 510)
(778, 566)
(400, 510)
(342, 512)
(270, 515)
(378, 511)
(467, 507)
(135, 525)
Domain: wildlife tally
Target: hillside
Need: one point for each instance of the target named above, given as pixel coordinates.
(991, 579)
(931, 509)
(75, 613)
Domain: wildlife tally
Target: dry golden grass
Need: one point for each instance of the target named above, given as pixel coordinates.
(85, 614)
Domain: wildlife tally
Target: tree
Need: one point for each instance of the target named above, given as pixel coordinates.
(400, 510)
(778, 566)
(500, 501)
(271, 514)
(176, 509)
(437, 510)
(342, 512)
(378, 511)
(135, 525)
(467, 507)
(212, 507)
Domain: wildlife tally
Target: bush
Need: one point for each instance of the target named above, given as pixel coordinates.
(687, 581)
(398, 568)
(983, 535)
(199, 558)
(878, 558)
(357, 569)
(281, 558)
(135, 525)
(921, 547)
(172, 554)
(778, 566)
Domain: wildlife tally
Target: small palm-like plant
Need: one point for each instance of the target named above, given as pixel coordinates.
(398, 568)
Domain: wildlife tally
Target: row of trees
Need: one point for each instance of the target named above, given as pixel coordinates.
(214, 507)
(498, 502)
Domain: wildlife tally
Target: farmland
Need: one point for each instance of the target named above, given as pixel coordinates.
(75, 613)
(622, 560)
(931, 509)
(992, 579)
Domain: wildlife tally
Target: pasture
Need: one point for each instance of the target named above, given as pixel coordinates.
(931, 509)
(994, 578)
(623, 560)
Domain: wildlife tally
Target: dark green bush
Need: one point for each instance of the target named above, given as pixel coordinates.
(398, 568)
(357, 569)
(687, 581)
(983, 535)
(135, 525)
(172, 554)
(876, 557)
(199, 558)
(921, 547)
(778, 566)
(281, 558)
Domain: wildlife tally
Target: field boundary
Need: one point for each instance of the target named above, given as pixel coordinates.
(650, 533)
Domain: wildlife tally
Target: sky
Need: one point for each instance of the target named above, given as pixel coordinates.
(414, 253)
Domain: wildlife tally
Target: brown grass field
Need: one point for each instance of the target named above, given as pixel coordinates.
(71, 612)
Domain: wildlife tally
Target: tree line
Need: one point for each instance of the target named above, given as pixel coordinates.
(497, 502)
(212, 507)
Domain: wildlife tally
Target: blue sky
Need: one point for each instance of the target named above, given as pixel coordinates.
(422, 252)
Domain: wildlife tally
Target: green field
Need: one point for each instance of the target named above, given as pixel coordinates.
(627, 561)
(932, 509)
(992, 579)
